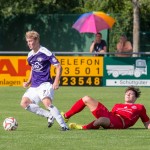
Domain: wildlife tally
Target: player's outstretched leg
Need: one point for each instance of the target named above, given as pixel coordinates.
(34, 108)
(76, 108)
(50, 120)
(65, 119)
(56, 114)
(83, 127)
(75, 126)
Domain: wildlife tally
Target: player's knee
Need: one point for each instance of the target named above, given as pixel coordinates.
(86, 99)
(47, 102)
(24, 103)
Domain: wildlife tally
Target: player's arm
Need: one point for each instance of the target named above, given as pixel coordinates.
(145, 118)
(58, 75)
(26, 84)
(102, 121)
(147, 124)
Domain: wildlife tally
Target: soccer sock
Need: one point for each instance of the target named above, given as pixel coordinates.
(56, 114)
(34, 108)
(90, 126)
(77, 107)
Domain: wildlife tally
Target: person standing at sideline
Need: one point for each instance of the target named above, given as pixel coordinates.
(123, 47)
(41, 84)
(98, 45)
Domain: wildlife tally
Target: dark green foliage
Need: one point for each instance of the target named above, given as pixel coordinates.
(121, 10)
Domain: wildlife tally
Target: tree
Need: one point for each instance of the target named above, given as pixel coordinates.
(16, 7)
(136, 26)
(132, 16)
(127, 17)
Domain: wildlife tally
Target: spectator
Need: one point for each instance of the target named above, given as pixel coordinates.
(98, 45)
(124, 47)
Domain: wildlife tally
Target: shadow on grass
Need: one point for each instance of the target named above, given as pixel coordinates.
(136, 129)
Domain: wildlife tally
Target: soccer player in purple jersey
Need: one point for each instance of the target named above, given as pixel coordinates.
(41, 84)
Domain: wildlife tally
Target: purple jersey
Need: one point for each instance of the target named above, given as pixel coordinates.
(41, 63)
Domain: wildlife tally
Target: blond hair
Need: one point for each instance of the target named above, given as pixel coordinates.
(33, 35)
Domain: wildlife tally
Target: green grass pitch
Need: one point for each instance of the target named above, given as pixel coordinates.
(33, 134)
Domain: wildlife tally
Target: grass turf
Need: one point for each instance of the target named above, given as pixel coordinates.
(33, 134)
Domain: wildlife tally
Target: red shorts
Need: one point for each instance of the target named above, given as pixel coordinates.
(115, 121)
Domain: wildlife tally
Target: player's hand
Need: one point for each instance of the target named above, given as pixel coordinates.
(55, 86)
(26, 84)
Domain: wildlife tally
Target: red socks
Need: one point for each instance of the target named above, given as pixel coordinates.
(90, 126)
(77, 107)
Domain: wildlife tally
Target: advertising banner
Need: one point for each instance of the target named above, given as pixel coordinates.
(126, 71)
(77, 70)
(14, 70)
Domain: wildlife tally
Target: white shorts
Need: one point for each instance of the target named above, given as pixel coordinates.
(37, 94)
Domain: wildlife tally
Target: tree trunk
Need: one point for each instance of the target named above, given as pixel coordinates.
(136, 27)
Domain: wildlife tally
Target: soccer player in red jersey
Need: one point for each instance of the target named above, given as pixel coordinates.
(122, 116)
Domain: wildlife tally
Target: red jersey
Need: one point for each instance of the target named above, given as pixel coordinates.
(131, 113)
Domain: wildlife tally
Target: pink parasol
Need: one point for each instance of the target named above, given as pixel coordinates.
(93, 22)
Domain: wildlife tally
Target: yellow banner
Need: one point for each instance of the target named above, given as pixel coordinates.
(14, 70)
(81, 66)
